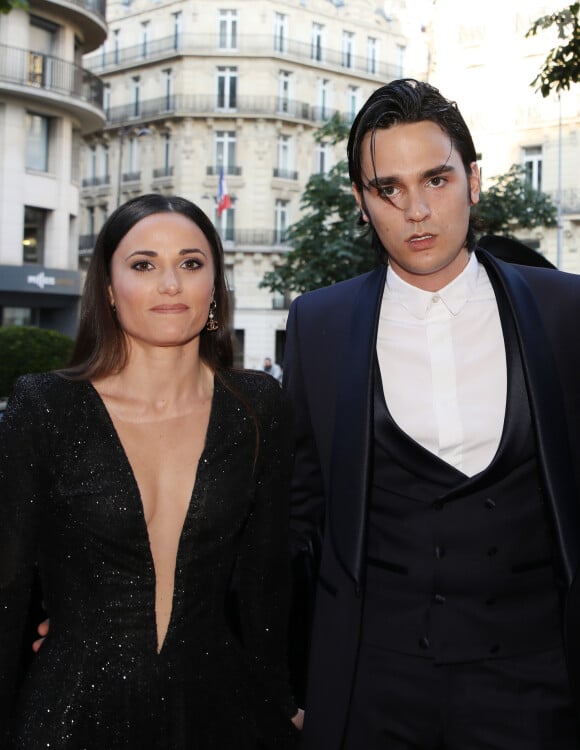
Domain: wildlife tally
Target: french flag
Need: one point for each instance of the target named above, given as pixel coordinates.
(223, 197)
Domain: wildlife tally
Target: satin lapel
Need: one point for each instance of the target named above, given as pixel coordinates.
(547, 410)
(352, 440)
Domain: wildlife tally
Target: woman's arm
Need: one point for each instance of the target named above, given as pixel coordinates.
(20, 488)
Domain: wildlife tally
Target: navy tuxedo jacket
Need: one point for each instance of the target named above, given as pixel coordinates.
(328, 376)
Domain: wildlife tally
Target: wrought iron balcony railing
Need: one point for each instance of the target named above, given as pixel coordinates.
(36, 70)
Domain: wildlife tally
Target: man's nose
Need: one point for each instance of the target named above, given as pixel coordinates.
(417, 208)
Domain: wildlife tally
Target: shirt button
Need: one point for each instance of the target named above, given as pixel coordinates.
(438, 505)
(435, 298)
(424, 643)
(494, 649)
(439, 599)
(439, 552)
(492, 551)
(489, 503)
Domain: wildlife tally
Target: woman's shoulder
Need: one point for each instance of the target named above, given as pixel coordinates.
(253, 387)
(43, 388)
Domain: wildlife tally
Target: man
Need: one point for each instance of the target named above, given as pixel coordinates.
(437, 407)
(272, 369)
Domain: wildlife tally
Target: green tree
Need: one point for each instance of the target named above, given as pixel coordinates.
(510, 203)
(26, 349)
(7, 5)
(562, 65)
(326, 245)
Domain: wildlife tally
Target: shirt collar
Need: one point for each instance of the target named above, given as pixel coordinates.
(418, 302)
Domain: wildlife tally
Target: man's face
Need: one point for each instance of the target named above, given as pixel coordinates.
(417, 196)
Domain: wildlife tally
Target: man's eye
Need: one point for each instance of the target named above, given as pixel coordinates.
(437, 181)
(389, 191)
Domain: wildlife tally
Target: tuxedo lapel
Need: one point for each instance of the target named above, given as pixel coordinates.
(352, 440)
(546, 406)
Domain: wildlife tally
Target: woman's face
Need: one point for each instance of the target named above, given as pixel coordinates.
(162, 281)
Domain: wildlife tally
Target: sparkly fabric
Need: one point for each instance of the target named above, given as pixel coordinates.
(69, 502)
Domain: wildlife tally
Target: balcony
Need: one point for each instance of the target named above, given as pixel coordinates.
(45, 78)
(230, 170)
(285, 174)
(570, 200)
(191, 105)
(87, 15)
(238, 239)
(248, 45)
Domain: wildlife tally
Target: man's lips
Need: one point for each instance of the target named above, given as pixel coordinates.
(421, 241)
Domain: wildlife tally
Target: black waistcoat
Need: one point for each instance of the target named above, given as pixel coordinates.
(460, 568)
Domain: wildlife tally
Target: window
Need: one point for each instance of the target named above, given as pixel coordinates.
(225, 151)
(167, 152)
(284, 85)
(145, 38)
(353, 101)
(75, 146)
(284, 155)
(323, 157)
(227, 86)
(280, 221)
(347, 49)
(168, 88)
(226, 223)
(43, 37)
(324, 98)
(317, 42)
(17, 316)
(532, 163)
(37, 142)
(372, 67)
(228, 29)
(280, 32)
(133, 159)
(136, 81)
(177, 23)
(34, 233)
(107, 99)
(400, 60)
(116, 45)
(104, 161)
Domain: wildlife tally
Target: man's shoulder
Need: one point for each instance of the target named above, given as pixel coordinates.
(342, 290)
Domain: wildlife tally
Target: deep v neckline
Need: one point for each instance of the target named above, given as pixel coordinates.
(136, 494)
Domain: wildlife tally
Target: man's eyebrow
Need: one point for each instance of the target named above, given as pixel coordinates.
(379, 182)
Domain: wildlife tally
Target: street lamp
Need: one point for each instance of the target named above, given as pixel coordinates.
(125, 130)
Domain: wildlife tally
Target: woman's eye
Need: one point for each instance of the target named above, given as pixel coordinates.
(142, 265)
(191, 264)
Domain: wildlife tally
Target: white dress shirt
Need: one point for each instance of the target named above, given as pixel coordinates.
(443, 365)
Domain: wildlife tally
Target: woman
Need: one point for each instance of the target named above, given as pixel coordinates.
(148, 481)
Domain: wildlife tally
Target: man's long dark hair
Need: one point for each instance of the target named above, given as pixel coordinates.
(100, 347)
(397, 103)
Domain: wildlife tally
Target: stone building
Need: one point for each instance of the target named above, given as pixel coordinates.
(48, 101)
(482, 58)
(194, 90)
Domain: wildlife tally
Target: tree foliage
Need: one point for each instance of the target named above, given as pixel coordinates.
(562, 65)
(7, 5)
(26, 349)
(326, 245)
(510, 203)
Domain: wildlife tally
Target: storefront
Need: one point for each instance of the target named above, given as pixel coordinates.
(38, 296)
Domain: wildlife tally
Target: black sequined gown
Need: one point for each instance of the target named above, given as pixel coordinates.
(69, 503)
